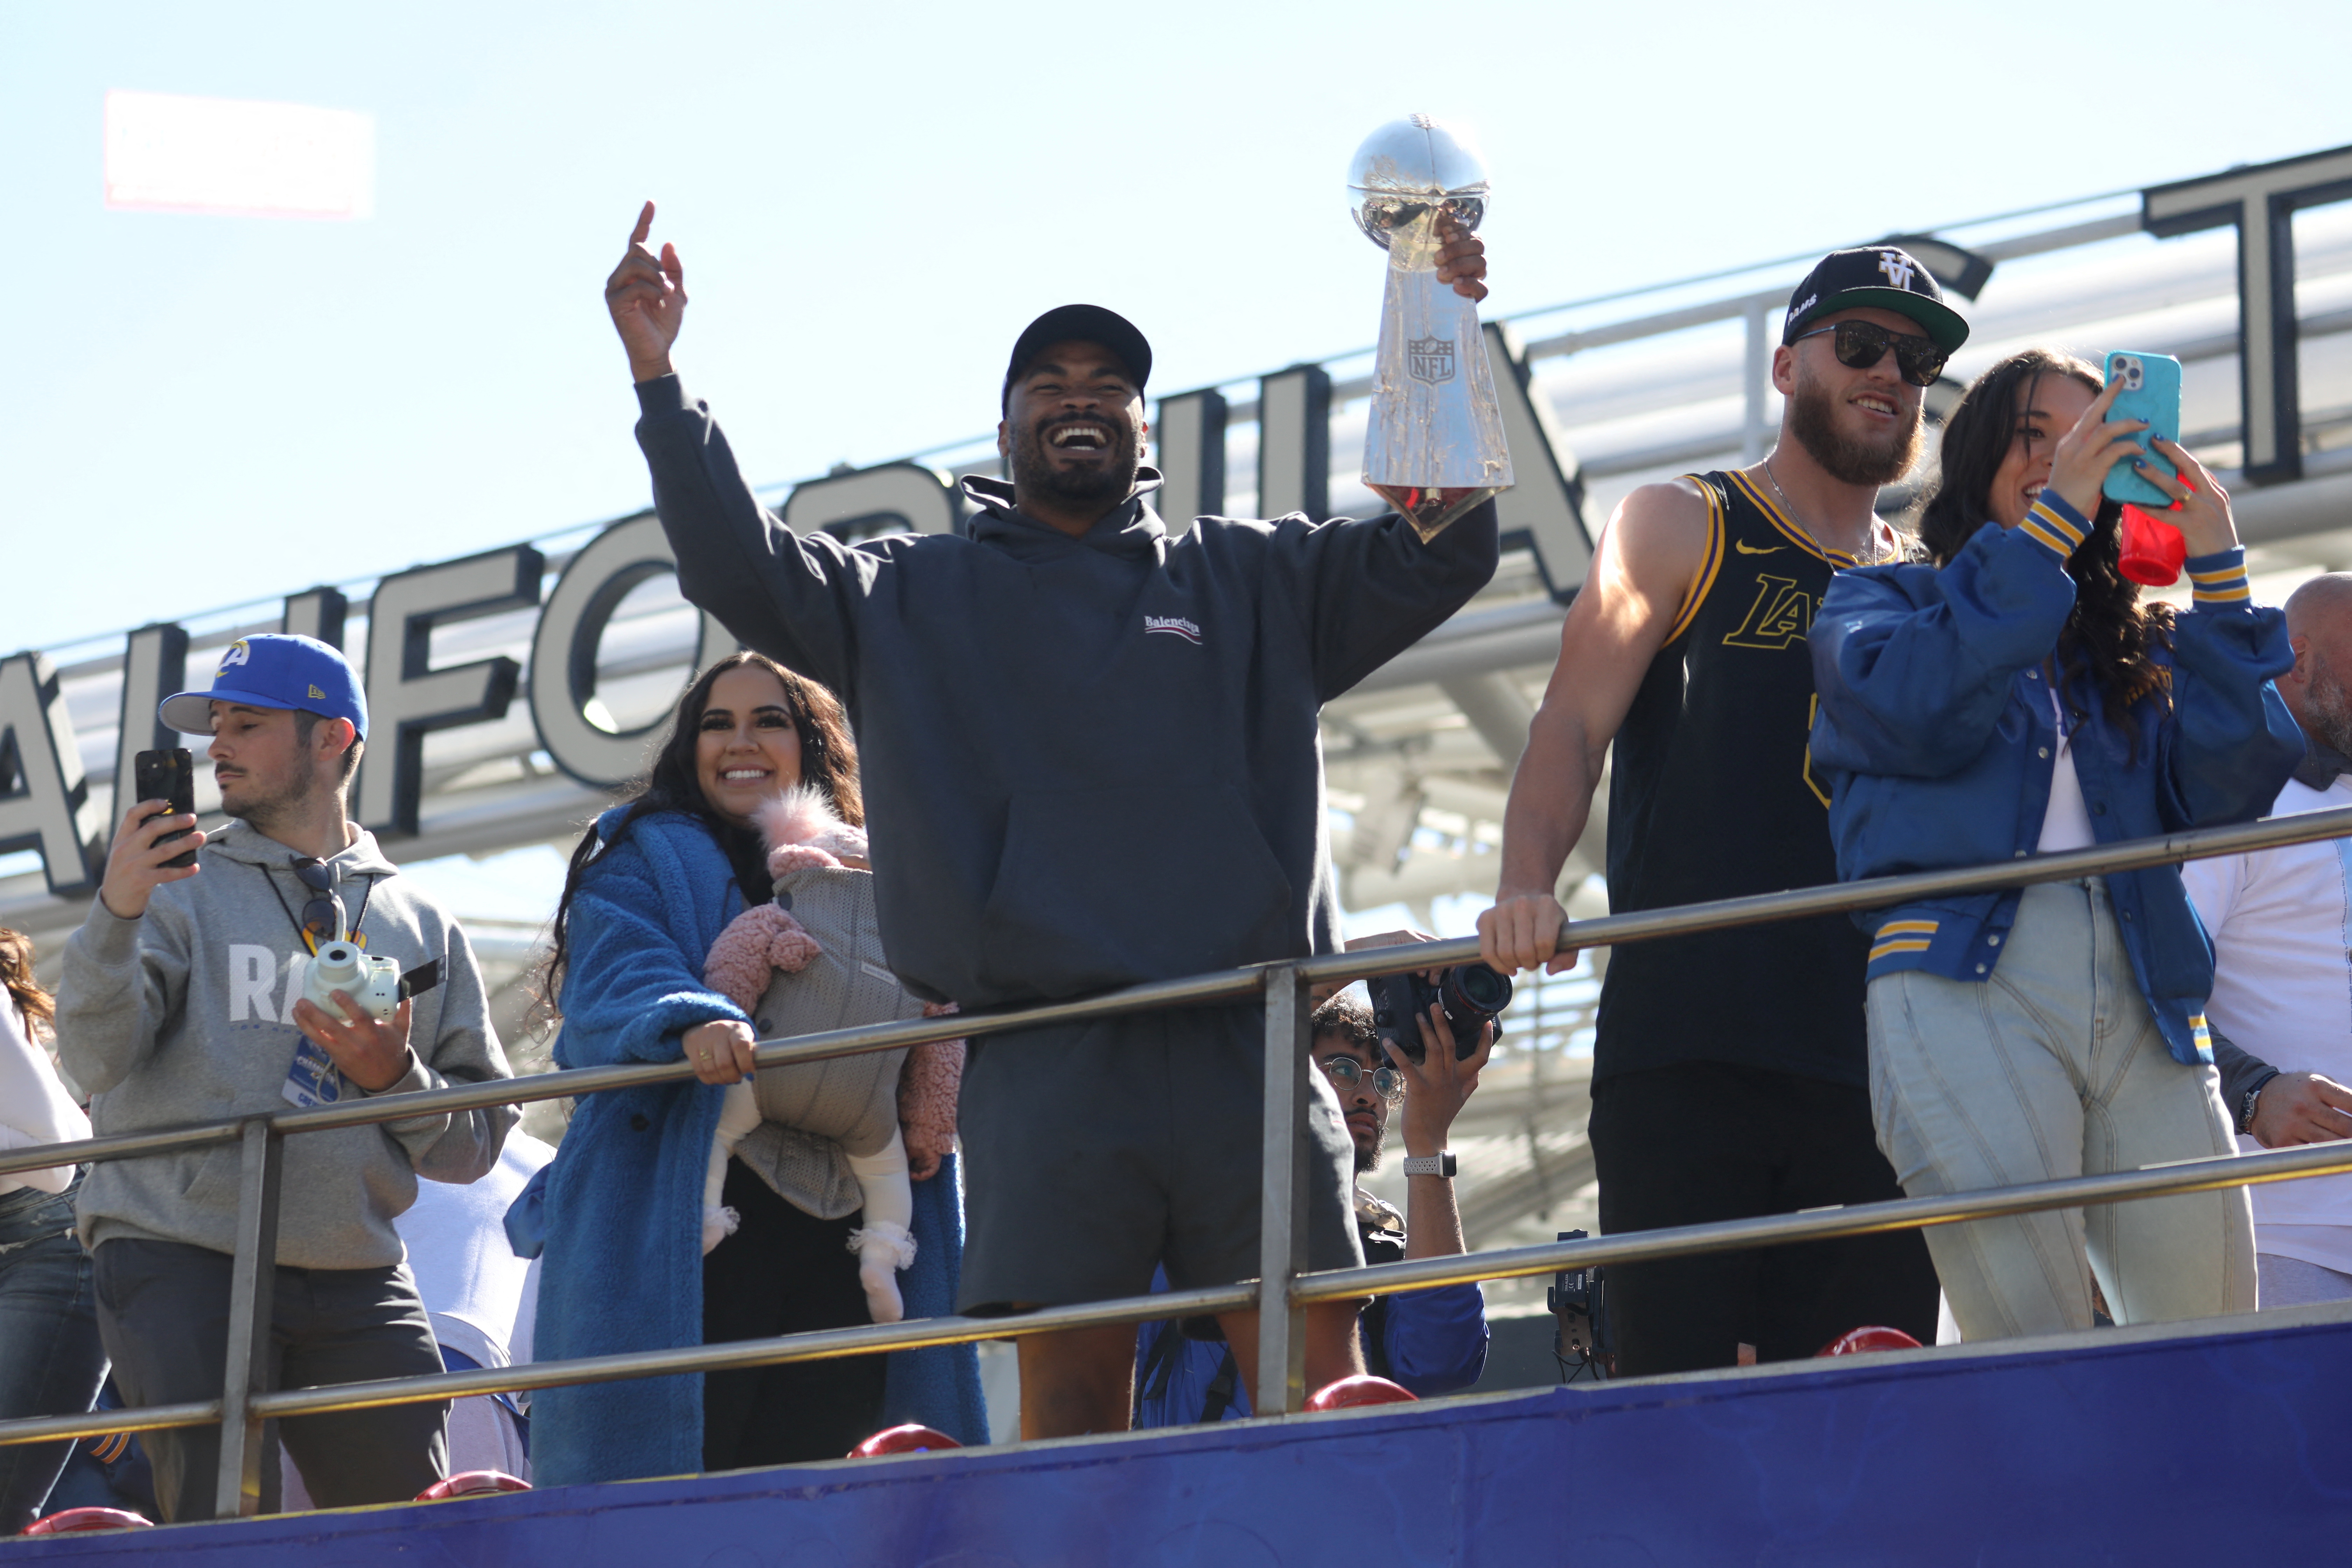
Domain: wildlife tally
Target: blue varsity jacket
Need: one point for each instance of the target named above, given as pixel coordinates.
(1935, 727)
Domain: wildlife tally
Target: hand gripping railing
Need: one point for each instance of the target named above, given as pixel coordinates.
(1283, 1288)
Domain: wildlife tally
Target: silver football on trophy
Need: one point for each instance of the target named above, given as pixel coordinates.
(1410, 165)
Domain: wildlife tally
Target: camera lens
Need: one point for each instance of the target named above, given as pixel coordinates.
(1482, 987)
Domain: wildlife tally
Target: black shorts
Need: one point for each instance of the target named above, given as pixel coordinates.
(1092, 1151)
(1701, 1141)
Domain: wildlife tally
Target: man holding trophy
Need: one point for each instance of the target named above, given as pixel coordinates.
(1091, 759)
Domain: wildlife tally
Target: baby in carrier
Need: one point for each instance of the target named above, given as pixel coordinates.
(849, 1132)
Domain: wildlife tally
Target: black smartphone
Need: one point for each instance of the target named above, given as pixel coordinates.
(168, 776)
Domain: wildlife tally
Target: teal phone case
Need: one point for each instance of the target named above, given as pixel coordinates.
(2151, 392)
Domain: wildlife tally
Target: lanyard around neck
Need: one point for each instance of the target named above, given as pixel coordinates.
(357, 937)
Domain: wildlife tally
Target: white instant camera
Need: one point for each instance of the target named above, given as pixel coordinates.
(372, 983)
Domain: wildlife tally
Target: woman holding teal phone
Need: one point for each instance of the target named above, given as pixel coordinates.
(2011, 696)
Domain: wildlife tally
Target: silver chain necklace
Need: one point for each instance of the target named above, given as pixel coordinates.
(1868, 555)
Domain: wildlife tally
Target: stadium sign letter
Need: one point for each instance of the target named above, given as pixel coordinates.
(1545, 510)
(1294, 443)
(406, 697)
(316, 613)
(154, 666)
(563, 652)
(1191, 442)
(2261, 203)
(44, 798)
(891, 498)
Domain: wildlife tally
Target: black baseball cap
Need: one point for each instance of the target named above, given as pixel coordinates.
(1885, 276)
(1084, 324)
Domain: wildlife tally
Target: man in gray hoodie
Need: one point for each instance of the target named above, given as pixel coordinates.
(183, 999)
(1090, 758)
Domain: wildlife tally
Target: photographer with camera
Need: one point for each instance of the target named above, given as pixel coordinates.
(185, 993)
(1429, 1341)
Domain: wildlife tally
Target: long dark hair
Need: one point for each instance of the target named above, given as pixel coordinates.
(828, 761)
(2110, 633)
(17, 976)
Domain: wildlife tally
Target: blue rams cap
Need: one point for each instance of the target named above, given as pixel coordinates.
(274, 671)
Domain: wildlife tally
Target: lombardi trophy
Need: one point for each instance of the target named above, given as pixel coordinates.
(1434, 447)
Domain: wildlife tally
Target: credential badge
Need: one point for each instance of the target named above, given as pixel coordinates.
(1429, 359)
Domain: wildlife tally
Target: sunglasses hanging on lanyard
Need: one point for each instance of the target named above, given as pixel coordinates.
(322, 915)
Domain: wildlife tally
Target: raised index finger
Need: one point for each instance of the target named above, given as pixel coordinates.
(644, 225)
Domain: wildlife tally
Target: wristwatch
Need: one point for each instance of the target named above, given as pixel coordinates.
(1438, 1164)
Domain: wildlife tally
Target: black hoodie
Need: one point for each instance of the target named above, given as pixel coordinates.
(1086, 762)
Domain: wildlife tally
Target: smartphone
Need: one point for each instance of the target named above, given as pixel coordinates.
(168, 776)
(2152, 390)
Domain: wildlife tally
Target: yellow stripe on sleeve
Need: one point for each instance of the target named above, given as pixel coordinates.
(1909, 928)
(2047, 516)
(1710, 563)
(2044, 538)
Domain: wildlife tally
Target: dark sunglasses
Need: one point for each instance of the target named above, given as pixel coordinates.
(1860, 344)
(322, 917)
(1347, 1072)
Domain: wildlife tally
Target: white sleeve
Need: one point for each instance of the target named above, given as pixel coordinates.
(2216, 885)
(35, 1108)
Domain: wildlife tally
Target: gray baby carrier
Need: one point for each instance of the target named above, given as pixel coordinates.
(815, 1115)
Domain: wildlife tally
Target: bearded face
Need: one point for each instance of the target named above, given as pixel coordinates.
(1860, 432)
(1073, 433)
(2327, 706)
(1076, 460)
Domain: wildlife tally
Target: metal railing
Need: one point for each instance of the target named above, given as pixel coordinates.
(1285, 1288)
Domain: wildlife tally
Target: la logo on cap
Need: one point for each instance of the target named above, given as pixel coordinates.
(237, 654)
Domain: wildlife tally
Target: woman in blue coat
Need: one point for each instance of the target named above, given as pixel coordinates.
(2013, 698)
(650, 888)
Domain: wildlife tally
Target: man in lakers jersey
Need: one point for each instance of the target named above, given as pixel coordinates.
(1730, 1070)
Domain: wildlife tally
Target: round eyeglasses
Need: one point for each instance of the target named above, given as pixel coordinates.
(1347, 1072)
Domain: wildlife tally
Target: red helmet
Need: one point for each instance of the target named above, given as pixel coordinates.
(1857, 1341)
(914, 1437)
(473, 1483)
(79, 1521)
(1361, 1389)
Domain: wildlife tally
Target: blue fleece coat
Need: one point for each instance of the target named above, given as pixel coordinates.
(623, 1266)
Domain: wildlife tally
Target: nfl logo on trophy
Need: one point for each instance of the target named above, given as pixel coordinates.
(1433, 447)
(1429, 359)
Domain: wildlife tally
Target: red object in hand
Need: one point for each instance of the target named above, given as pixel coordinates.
(81, 1521)
(473, 1483)
(914, 1437)
(2154, 551)
(1861, 1342)
(1361, 1389)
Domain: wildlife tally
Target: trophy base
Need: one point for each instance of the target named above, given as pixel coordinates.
(1430, 508)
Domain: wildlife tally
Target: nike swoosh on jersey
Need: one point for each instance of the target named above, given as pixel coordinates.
(1747, 549)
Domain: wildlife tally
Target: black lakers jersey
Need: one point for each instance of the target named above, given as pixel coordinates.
(1713, 796)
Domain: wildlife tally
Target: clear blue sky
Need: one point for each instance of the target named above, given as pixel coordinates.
(872, 199)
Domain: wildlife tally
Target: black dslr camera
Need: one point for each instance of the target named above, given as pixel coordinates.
(1471, 995)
